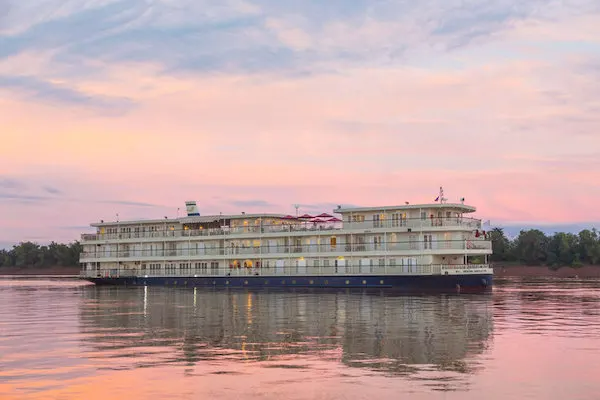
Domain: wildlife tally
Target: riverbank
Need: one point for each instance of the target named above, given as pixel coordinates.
(57, 270)
(586, 271)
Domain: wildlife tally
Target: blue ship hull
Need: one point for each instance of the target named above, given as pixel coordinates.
(420, 283)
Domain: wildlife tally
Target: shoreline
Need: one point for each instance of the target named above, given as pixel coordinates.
(58, 270)
(506, 271)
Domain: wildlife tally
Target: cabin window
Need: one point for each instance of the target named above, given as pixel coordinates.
(358, 218)
(447, 240)
(412, 241)
(377, 241)
(184, 266)
(376, 221)
(427, 239)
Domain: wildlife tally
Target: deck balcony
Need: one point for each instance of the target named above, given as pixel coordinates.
(361, 270)
(438, 247)
(396, 225)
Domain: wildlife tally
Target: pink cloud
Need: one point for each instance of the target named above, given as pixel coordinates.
(368, 136)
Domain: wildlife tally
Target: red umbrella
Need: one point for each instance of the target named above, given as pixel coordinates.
(306, 216)
(324, 215)
(289, 217)
(334, 219)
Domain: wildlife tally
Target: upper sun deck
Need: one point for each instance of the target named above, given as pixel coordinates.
(452, 207)
(407, 211)
(399, 218)
(196, 219)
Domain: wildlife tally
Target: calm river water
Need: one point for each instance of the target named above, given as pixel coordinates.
(65, 339)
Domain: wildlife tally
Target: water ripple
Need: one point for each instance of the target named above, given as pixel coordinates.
(69, 340)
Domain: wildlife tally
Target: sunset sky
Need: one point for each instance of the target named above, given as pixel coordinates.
(133, 107)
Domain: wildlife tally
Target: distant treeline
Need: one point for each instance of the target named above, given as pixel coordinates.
(28, 254)
(533, 247)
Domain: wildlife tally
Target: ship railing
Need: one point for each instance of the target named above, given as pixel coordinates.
(291, 271)
(308, 249)
(470, 223)
(416, 223)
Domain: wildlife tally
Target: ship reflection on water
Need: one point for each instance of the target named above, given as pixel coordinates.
(391, 334)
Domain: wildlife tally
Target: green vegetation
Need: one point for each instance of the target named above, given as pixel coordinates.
(28, 254)
(533, 247)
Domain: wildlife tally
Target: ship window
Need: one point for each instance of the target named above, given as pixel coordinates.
(155, 266)
(316, 263)
(427, 241)
(358, 218)
(412, 240)
(377, 241)
(326, 263)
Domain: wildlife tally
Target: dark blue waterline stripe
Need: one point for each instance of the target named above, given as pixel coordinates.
(478, 282)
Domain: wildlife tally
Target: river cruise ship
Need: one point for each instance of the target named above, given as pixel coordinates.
(413, 247)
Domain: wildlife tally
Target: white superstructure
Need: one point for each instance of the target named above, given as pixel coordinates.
(421, 239)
